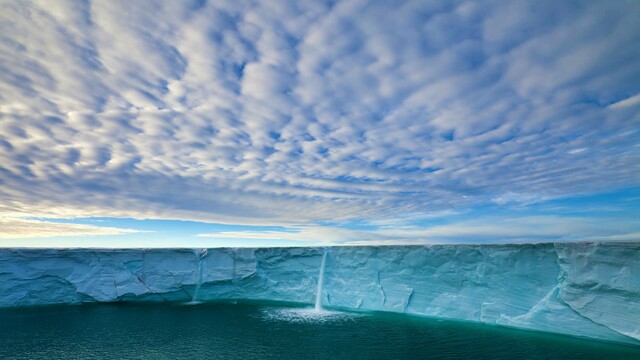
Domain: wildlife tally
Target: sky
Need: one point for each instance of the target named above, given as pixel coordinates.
(312, 123)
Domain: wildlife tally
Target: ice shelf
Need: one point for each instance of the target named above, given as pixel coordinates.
(590, 290)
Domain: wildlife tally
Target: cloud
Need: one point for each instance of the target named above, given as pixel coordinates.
(484, 229)
(13, 228)
(301, 112)
(304, 236)
(628, 102)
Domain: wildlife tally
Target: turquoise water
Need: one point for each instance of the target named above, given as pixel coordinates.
(267, 331)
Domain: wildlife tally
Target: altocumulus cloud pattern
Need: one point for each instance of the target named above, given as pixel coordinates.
(303, 112)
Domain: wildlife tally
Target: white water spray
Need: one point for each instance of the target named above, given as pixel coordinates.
(318, 306)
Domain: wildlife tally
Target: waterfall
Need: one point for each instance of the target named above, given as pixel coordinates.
(320, 281)
(201, 253)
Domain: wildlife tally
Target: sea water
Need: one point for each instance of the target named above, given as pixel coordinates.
(270, 331)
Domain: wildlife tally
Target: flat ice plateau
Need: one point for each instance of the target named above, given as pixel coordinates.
(590, 290)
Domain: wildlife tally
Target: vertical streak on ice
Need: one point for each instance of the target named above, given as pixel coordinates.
(201, 254)
(320, 281)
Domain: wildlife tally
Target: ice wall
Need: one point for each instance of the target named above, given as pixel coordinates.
(590, 290)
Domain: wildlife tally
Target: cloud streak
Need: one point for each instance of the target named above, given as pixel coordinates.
(485, 229)
(24, 228)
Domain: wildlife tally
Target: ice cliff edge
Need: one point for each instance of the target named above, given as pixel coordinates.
(590, 290)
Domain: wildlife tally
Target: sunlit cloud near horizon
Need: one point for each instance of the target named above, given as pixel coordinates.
(249, 123)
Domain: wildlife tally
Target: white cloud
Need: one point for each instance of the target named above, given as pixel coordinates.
(257, 113)
(15, 228)
(485, 229)
(628, 102)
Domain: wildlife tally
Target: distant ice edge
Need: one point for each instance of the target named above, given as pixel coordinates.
(585, 289)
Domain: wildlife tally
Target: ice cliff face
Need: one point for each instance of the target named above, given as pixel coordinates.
(590, 290)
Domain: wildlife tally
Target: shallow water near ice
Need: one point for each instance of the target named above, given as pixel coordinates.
(270, 331)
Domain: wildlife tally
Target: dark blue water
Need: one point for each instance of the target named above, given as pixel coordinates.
(264, 331)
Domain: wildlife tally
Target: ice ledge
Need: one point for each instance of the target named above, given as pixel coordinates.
(590, 290)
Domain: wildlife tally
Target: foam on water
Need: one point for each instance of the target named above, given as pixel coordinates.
(306, 315)
(191, 303)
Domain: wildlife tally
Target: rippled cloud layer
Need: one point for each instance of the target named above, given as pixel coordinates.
(289, 112)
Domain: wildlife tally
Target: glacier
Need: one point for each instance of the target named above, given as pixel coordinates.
(582, 289)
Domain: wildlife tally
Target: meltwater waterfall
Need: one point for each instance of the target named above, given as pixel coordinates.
(320, 281)
(201, 254)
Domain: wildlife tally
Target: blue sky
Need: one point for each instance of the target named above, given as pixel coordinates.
(255, 123)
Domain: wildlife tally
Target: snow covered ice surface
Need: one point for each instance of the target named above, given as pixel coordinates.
(590, 290)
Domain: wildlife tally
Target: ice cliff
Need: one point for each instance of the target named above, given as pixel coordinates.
(590, 290)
